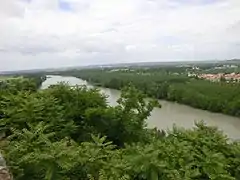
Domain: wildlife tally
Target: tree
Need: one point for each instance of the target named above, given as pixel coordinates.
(71, 133)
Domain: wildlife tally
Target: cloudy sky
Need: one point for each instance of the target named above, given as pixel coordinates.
(56, 33)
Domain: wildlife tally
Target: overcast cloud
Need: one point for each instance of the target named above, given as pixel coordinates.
(56, 33)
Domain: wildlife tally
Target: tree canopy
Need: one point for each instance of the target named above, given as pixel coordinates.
(171, 85)
(70, 133)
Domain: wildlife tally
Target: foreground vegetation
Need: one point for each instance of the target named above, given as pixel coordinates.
(71, 133)
(170, 84)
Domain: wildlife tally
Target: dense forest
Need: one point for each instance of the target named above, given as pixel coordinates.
(64, 133)
(14, 83)
(170, 84)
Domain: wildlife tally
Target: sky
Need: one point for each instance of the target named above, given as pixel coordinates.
(60, 33)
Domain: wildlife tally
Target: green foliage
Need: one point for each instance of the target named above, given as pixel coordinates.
(71, 133)
(32, 155)
(172, 85)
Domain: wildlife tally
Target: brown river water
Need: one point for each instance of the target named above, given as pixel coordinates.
(171, 113)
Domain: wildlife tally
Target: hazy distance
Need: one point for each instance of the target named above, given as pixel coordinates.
(36, 34)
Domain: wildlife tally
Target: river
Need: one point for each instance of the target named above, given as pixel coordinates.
(170, 113)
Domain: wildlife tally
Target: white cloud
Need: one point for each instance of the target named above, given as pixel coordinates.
(52, 33)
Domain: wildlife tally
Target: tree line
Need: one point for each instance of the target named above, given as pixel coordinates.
(219, 97)
(72, 133)
(14, 83)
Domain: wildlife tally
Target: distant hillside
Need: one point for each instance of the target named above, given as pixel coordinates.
(134, 64)
(233, 61)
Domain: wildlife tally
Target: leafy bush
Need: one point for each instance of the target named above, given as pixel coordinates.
(71, 133)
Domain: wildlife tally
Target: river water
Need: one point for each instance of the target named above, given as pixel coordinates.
(170, 113)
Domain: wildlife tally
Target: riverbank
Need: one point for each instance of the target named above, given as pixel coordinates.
(219, 97)
(171, 113)
(164, 99)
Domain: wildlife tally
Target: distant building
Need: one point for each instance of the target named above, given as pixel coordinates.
(117, 70)
(226, 67)
(192, 74)
(195, 68)
(216, 77)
